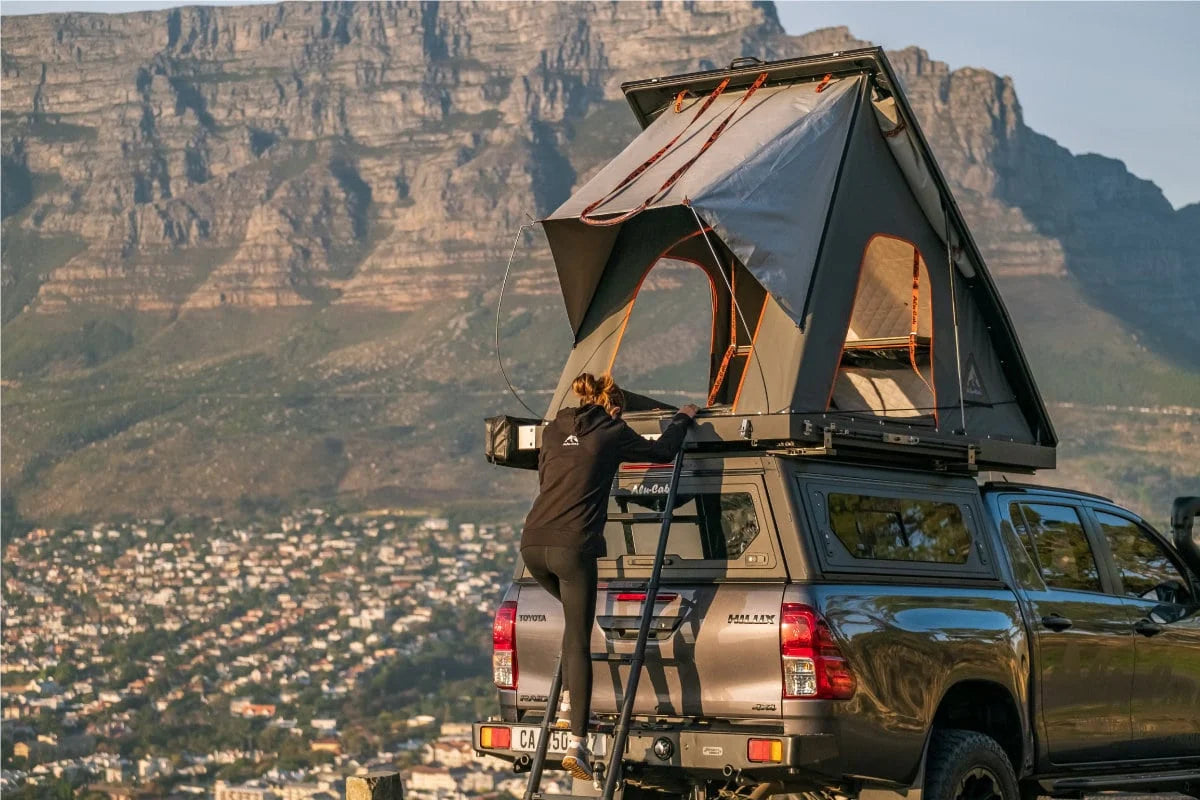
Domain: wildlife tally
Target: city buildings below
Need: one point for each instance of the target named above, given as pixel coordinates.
(250, 660)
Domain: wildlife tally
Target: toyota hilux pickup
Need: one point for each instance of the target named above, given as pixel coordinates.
(845, 609)
(849, 630)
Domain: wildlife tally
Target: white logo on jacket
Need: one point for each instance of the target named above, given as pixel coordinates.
(571, 441)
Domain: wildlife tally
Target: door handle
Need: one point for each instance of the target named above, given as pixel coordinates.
(1056, 622)
(1147, 628)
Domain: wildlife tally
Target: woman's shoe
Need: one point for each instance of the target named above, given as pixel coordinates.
(563, 720)
(578, 761)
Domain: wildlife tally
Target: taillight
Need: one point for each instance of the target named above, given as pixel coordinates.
(813, 666)
(494, 737)
(504, 646)
(640, 597)
(764, 750)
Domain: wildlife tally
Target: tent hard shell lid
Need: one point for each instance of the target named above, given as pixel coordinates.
(852, 311)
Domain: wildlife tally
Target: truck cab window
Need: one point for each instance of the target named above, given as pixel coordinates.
(1147, 571)
(1020, 548)
(1062, 548)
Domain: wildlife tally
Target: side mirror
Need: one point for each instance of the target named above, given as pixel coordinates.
(1187, 543)
(1169, 592)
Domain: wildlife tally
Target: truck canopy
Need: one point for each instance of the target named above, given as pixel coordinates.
(844, 282)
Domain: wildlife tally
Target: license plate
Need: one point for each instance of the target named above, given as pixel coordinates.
(525, 740)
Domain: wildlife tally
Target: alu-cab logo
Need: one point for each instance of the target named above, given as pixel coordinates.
(972, 381)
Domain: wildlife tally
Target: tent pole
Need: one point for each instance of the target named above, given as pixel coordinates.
(737, 308)
(962, 405)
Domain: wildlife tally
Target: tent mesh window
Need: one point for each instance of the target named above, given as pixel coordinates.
(669, 349)
(887, 367)
(664, 346)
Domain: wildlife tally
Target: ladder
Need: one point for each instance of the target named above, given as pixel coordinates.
(616, 748)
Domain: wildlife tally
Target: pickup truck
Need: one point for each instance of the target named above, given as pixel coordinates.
(863, 631)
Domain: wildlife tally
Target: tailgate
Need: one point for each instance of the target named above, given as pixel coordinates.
(714, 640)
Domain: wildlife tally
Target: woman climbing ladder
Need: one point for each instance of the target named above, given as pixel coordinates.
(564, 532)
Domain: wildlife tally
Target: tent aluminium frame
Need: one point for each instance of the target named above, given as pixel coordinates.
(649, 98)
(840, 434)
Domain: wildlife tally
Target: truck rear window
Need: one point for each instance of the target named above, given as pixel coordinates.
(899, 529)
(705, 526)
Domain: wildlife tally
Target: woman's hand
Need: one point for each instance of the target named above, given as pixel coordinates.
(690, 409)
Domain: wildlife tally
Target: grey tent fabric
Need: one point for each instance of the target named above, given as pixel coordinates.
(765, 186)
(821, 225)
(908, 157)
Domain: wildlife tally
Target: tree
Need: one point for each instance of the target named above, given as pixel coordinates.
(64, 673)
(11, 524)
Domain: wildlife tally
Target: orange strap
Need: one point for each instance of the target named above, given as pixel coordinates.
(824, 82)
(732, 303)
(896, 131)
(585, 215)
(912, 336)
(679, 100)
(916, 301)
(729, 353)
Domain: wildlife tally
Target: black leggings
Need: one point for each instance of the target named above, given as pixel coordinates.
(571, 577)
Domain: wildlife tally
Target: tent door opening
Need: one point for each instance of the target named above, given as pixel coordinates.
(886, 366)
(667, 311)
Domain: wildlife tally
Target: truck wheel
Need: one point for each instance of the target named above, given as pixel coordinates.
(966, 765)
(640, 793)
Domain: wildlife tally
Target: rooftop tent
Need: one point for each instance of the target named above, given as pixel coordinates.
(846, 292)
(777, 139)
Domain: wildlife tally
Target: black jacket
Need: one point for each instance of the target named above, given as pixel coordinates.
(581, 450)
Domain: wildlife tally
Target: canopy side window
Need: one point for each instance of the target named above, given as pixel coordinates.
(684, 339)
(886, 367)
(894, 529)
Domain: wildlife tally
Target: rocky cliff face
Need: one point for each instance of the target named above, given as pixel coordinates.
(1036, 209)
(166, 172)
(285, 155)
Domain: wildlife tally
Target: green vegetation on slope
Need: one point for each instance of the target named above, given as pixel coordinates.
(29, 257)
(1082, 354)
(229, 410)
(222, 410)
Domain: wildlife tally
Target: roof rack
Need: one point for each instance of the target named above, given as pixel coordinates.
(515, 441)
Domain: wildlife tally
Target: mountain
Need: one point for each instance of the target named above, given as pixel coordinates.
(251, 254)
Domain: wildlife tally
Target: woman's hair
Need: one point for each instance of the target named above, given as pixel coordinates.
(600, 391)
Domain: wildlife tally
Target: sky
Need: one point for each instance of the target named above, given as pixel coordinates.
(1115, 78)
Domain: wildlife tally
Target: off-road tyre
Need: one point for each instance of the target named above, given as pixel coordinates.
(966, 765)
(1031, 791)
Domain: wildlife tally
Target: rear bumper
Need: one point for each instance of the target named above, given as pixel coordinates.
(709, 753)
